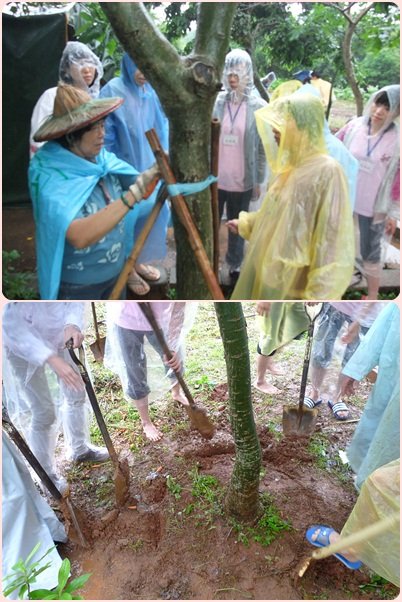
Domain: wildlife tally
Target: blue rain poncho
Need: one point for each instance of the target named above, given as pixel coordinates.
(376, 439)
(60, 183)
(125, 136)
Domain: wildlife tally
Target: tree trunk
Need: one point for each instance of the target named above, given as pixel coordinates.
(350, 72)
(242, 499)
(187, 88)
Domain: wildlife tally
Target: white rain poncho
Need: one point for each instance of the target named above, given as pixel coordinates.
(376, 439)
(383, 206)
(75, 57)
(27, 520)
(301, 243)
(378, 499)
(125, 137)
(238, 62)
(36, 403)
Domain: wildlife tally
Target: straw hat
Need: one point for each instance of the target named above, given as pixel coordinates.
(73, 110)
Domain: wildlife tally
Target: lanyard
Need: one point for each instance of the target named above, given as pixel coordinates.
(233, 117)
(370, 149)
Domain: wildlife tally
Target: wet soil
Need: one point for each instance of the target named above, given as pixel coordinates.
(154, 547)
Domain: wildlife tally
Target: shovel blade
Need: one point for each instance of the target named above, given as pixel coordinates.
(201, 421)
(293, 426)
(98, 349)
(121, 479)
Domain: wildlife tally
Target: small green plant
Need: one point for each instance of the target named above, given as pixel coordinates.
(269, 526)
(203, 383)
(174, 487)
(136, 545)
(381, 587)
(318, 448)
(16, 285)
(25, 573)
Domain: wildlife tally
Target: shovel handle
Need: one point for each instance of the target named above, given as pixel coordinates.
(95, 319)
(30, 458)
(386, 524)
(150, 316)
(139, 243)
(184, 215)
(92, 398)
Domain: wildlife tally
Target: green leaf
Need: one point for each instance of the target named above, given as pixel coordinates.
(64, 574)
(66, 596)
(32, 553)
(39, 594)
(78, 582)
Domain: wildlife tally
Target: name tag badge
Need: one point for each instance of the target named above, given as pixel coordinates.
(366, 165)
(230, 140)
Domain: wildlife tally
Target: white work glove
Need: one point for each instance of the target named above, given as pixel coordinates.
(145, 183)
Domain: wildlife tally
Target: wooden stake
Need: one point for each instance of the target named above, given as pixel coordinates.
(185, 218)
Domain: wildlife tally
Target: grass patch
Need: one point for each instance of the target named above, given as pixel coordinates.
(318, 447)
(381, 587)
(268, 528)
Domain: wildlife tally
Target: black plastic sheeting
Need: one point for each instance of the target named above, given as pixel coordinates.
(32, 49)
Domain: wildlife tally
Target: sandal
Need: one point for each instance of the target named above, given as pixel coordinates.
(310, 403)
(148, 272)
(322, 541)
(340, 406)
(137, 285)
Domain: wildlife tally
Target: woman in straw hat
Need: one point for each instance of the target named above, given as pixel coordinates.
(84, 220)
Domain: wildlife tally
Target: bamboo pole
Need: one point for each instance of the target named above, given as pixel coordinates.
(185, 218)
(215, 133)
(138, 245)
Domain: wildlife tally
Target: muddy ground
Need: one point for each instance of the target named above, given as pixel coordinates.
(167, 542)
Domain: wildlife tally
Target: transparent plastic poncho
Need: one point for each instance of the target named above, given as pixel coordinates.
(238, 62)
(301, 242)
(379, 498)
(76, 56)
(175, 320)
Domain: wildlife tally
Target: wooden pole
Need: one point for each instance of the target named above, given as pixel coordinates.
(138, 245)
(185, 218)
(215, 133)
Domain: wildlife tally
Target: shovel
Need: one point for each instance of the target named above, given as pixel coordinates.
(198, 416)
(300, 421)
(121, 475)
(71, 514)
(98, 347)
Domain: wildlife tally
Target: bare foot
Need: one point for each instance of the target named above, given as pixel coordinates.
(267, 388)
(275, 370)
(178, 395)
(333, 537)
(151, 432)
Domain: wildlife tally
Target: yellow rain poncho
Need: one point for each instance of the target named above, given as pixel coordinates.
(379, 499)
(301, 243)
(285, 89)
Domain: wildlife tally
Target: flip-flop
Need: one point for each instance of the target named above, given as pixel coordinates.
(322, 541)
(136, 284)
(310, 403)
(340, 406)
(149, 272)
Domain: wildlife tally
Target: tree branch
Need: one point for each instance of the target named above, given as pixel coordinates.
(137, 33)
